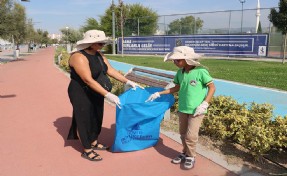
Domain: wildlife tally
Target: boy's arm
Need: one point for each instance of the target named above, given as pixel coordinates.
(171, 90)
(167, 91)
(201, 109)
(210, 92)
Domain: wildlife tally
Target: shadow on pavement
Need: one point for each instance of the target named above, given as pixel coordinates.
(165, 150)
(8, 96)
(107, 136)
(63, 125)
(11, 60)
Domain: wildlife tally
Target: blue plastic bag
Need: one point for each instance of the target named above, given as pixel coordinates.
(138, 122)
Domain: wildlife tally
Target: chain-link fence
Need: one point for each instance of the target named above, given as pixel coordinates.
(219, 22)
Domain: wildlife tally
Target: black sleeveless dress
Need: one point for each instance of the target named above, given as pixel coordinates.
(87, 105)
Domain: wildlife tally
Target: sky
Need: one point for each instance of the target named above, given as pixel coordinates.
(53, 15)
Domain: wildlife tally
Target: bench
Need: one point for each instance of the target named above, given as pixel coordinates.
(151, 78)
(148, 77)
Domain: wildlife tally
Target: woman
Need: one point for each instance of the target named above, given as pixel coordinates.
(88, 87)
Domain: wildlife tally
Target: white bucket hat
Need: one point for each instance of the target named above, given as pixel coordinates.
(183, 52)
(91, 37)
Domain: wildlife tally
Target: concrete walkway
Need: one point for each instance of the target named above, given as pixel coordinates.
(35, 117)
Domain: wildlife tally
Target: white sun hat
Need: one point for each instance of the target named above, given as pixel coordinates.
(91, 37)
(184, 52)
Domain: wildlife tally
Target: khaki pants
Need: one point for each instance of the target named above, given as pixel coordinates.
(189, 129)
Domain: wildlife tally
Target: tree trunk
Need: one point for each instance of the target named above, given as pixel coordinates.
(284, 49)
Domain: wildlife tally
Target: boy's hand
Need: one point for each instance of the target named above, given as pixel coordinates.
(201, 108)
(133, 85)
(153, 97)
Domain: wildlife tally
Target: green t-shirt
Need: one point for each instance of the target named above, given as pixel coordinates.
(193, 88)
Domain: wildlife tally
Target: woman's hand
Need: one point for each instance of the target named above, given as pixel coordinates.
(113, 98)
(133, 85)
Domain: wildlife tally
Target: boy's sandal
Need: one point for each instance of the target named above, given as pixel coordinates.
(178, 159)
(99, 146)
(87, 155)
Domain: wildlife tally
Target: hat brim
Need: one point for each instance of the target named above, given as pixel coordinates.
(189, 58)
(81, 47)
(105, 41)
(83, 44)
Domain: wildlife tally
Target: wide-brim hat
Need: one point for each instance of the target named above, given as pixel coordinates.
(91, 37)
(94, 36)
(184, 52)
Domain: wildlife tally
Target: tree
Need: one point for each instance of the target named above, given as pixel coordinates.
(140, 20)
(5, 18)
(18, 24)
(279, 20)
(91, 23)
(186, 25)
(132, 14)
(71, 35)
(31, 34)
(106, 21)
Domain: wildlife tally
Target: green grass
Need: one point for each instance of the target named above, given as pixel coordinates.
(265, 74)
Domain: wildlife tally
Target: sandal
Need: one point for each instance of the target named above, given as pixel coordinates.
(179, 158)
(87, 156)
(189, 162)
(99, 146)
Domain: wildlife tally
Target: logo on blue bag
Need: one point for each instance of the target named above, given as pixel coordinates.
(136, 127)
(135, 133)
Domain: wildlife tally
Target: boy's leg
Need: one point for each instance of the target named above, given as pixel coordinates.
(191, 137)
(183, 125)
(183, 122)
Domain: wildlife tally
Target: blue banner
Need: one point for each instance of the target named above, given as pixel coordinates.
(216, 45)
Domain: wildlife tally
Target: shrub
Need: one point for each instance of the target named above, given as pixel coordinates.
(279, 127)
(225, 117)
(255, 127)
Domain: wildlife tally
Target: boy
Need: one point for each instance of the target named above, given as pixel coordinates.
(196, 89)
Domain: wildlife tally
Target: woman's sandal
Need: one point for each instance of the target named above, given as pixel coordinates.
(99, 146)
(87, 155)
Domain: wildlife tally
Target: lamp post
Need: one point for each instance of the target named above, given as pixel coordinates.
(122, 25)
(113, 16)
(67, 29)
(242, 2)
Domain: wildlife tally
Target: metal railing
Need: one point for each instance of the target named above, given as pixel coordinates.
(217, 23)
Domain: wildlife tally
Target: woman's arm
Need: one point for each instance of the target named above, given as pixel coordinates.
(81, 65)
(113, 72)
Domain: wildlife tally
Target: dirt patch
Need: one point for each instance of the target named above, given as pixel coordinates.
(271, 164)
